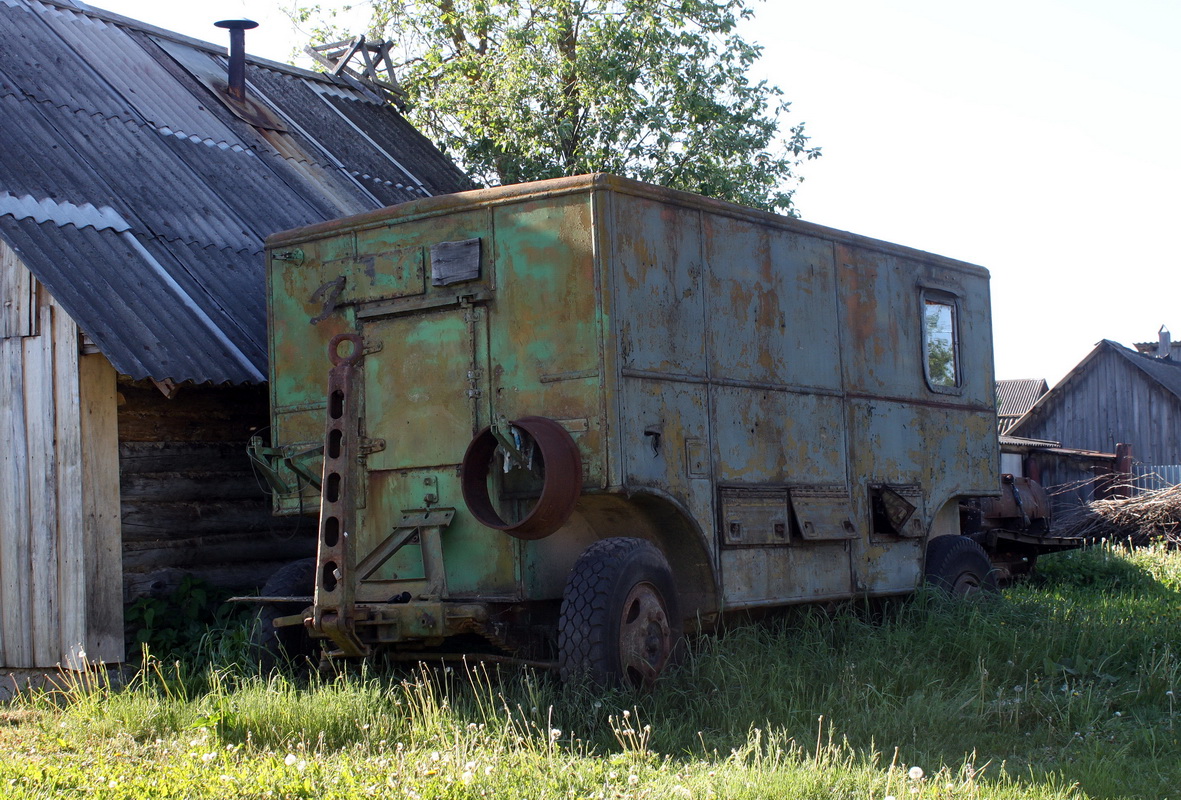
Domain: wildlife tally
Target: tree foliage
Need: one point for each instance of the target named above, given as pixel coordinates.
(657, 90)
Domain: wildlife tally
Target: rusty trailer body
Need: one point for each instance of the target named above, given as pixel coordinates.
(786, 412)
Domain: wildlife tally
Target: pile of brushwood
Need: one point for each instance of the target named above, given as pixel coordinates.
(1153, 516)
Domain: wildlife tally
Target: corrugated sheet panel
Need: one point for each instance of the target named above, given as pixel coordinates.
(45, 69)
(144, 317)
(398, 136)
(141, 198)
(1015, 397)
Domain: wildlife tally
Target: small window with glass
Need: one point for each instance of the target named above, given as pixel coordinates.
(941, 342)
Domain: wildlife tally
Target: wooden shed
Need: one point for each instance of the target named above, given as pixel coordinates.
(135, 194)
(1114, 396)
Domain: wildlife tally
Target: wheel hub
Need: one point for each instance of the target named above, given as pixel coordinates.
(645, 638)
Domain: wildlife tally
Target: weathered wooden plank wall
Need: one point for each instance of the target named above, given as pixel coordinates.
(59, 532)
(191, 504)
(1109, 402)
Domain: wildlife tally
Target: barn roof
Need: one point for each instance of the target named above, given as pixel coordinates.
(139, 194)
(1164, 372)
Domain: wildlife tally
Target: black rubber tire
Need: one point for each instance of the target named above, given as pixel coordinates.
(287, 646)
(620, 622)
(959, 567)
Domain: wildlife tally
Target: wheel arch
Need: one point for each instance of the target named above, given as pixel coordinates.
(653, 515)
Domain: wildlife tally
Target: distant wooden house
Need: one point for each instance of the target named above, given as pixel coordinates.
(1114, 396)
(1015, 397)
(135, 192)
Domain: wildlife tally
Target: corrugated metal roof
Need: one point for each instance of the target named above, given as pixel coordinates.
(140, 198)
(1015, 397)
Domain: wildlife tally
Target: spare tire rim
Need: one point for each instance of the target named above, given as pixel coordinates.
(562, 485)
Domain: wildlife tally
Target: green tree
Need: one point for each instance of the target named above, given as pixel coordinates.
(657, 90)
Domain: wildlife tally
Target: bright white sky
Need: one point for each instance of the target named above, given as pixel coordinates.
(1038, 138)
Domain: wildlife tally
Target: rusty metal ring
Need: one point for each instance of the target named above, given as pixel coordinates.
(352, 358)
(559, 492)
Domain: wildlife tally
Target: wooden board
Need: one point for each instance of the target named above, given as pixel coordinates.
(101, 508)
(18, 297)
(42, 459)
(15, 650)
(71, 541)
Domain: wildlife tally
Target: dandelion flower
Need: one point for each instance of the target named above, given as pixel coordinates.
(889, 797)
(915, 773)
(633, 779)
(626, 713)
(290, 760)
(555, 734)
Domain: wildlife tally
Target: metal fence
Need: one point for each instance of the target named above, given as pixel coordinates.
(1150, 477)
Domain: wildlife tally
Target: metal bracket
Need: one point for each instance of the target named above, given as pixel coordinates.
(422, 528)
(295, 256)
(302, 471)
(265, 460)
(509, 440)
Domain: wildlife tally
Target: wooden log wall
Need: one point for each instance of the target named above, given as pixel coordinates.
(60, 576)
(191, 504)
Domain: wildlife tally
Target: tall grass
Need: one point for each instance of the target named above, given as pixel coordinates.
(1061, 688)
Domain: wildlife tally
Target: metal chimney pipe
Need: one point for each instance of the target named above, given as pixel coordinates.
(237, 28)
(1164, 346)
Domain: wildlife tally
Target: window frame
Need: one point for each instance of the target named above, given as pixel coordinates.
(942, 297)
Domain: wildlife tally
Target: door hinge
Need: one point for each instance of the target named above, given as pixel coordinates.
(368, 446)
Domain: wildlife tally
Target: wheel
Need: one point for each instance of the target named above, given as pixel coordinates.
(273, 646)
(960, 567)
(620, 622)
